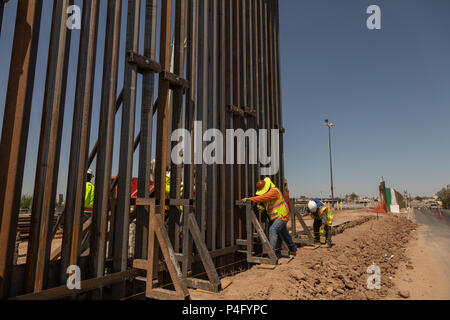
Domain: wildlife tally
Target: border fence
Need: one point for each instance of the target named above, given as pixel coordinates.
(215, 61)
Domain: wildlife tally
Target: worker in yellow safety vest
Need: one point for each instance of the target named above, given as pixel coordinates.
(269, 198)
(89, 195)
(323, 220)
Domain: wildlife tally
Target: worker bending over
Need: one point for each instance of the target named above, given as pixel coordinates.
(269, 196)
(323, 220)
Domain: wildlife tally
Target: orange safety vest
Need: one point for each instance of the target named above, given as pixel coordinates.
(278, 209)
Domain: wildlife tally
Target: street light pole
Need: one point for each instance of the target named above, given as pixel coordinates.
(330, 125)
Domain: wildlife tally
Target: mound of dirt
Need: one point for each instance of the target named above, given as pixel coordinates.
(336, 273)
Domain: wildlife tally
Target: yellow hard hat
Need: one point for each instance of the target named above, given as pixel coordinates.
(268, 185)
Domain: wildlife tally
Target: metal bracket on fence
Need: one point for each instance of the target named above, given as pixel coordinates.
(174, 80)
(242, 112)
(144, 63)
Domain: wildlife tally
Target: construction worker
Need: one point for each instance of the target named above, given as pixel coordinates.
(323, 220)
(269, 196)
(287, 196)
(89, 195)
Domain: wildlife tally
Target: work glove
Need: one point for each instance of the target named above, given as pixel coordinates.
(245, 200)
(322, 230)
(261, 208)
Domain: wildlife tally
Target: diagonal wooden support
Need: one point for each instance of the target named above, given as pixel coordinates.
(192, 234)
(159, 240)
(297, 215)
(252, 222)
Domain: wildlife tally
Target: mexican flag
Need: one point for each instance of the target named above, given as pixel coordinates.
(392, 200)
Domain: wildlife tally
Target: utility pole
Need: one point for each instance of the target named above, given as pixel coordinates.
(330, 125)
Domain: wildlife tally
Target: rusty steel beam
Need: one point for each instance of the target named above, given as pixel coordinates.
(94, 150)
(191, 60)
(243, 90)
(14, 138)
(270, 70)
(276, 25)
(221, 109)
(236, 18)
(202, 113)
(212, 123)
(177, 115)
(108, 109)
(145, 150)
(163, 105)
(122, 215)
(2, 8)
(250, 90)
(49, 152)
(229, 121)
(79, 152)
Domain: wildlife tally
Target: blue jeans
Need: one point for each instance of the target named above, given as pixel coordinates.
(279, 228)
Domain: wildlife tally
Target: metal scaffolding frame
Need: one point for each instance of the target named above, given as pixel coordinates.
(225, 73)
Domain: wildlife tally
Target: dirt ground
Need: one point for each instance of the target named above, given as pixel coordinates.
(391, 242)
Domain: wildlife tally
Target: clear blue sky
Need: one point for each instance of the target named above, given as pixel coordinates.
(388, 92)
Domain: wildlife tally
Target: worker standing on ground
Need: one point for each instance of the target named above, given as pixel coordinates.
(89, 195)
(323, 220)
(277, 209)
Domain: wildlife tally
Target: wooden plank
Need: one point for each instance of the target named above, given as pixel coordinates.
(311, 247)
(162, 294)
(285, 260)
(169, 254)
(263, 237)
(203, 285)
(86, 286)
(248, 220)
(203, 251)
(266, 266)
(225, 283)
(305, 227)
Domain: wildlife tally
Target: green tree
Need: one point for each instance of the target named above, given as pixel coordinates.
(25, 202)
(352, 197)
(444, 196)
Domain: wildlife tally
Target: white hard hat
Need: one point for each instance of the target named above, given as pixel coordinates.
(90, 172)
(312, 206)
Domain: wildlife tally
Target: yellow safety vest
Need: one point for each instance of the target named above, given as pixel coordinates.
(89, 198)
(277, 209)
(329, 215)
